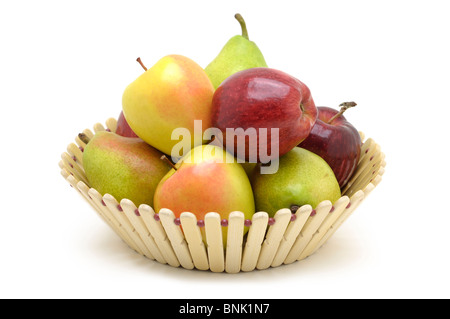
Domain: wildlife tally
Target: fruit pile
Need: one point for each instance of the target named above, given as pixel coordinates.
(234, 136)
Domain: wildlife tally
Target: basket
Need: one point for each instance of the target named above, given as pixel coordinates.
(270, 242)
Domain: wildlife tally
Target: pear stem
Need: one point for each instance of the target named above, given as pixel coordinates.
(168, 161)
(344, 107)
(142, 64)
(84, 138)
(243, 26)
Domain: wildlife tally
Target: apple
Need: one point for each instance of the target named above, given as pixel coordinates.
(207, 179)
(336, 140)
(123, 129)
(172, 94)
(255, 104)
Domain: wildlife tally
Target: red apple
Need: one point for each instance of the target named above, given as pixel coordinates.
(262, 98)
(335, 140)
(123, 128)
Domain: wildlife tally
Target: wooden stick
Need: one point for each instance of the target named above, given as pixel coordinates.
(355, 200)
(330, 219)
(255, 238)
(176, 238)
(136, 221)
(157, 231)
(213, 232)
(273, 238)
(113, 206)
(310, 227)
(111, 124)
(195, 241)
(293, 230)
(234, 242)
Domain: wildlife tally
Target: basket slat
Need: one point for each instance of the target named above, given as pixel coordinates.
(74, 150)
(194, 240)
(308, 230)
(355, 200)
(255, 238)
(136, 221)
(339, 207)
(176, 238)
(93, 196)
(368, 150)
(98, 127)
(159, 235)
(84, 190)
(213, 231)
(74, 183)
(273, 238)
(118, 213)
(70, 165)
(234, 242)
(291, 234)
(111, 124)
(371, 169)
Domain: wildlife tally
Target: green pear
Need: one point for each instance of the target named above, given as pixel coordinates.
(302, 178)
(124, 167)
(238, 54)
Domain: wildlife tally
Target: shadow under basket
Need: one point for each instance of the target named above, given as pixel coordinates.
(269, 242)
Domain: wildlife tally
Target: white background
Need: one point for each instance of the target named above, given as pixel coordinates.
(64, 66)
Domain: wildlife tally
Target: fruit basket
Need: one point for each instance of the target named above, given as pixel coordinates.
(270, 242)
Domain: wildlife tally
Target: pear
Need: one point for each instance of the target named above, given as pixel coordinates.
(238, 54)
(207, 179)
(124, 167)
(302, 178)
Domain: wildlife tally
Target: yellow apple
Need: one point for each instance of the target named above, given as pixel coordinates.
(171, 94)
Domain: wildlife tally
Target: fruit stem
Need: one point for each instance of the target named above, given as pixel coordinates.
(142, 64)
(344, 107)
(243, 26)
(168, 161)
(84, 138)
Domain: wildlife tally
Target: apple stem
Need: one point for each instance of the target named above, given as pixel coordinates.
(344, 107)
(142, 64)
(84, 138)
(243, 26)
(168, 161)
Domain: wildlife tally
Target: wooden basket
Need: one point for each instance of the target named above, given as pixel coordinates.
(270, 242)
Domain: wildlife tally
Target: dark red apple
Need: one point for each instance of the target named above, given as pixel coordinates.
(335, 140)
(251, 103)
(123, 128)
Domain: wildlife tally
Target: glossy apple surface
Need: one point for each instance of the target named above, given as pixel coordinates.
(263, 98)
(337, 142)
